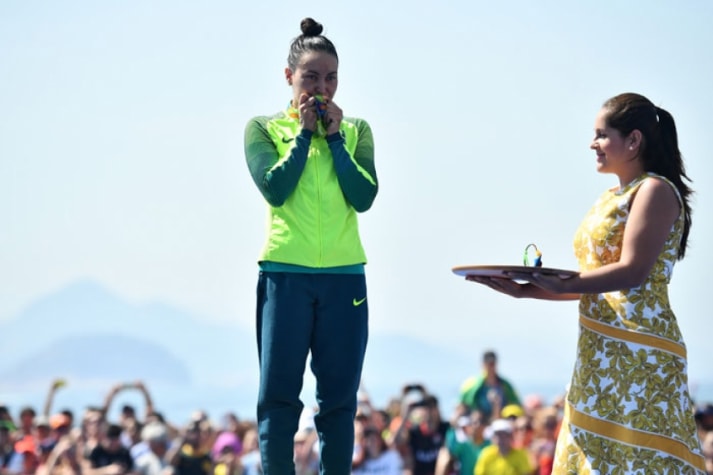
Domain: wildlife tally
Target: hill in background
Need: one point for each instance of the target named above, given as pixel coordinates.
(95, 338)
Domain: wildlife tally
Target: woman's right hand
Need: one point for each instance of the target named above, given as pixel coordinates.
(308, 112)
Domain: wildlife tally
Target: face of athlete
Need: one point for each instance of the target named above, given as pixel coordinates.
(615, 153)
(316, 73)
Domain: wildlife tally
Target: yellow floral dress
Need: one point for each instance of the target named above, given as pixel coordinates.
(628, 408)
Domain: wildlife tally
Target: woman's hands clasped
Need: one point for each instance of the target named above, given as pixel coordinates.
(309, 116)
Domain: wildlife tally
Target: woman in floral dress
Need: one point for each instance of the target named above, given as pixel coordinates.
(628, 409)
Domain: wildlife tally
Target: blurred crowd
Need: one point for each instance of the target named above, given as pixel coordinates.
(491, 431)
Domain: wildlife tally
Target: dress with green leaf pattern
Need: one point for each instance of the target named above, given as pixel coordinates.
(628, 407)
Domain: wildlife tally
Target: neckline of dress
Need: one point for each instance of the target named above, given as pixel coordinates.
(623, 189)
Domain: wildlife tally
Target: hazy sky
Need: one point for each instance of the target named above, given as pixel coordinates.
(121, 151)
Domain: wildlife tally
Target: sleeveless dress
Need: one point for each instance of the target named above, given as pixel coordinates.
(628, 408)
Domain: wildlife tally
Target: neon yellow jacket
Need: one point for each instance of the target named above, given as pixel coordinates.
(314, 187)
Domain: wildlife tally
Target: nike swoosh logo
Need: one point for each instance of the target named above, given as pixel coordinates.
(356, 302)
(287, 139)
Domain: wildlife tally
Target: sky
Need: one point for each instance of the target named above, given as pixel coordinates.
(121, 151)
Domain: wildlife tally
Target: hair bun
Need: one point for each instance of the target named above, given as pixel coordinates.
(310, 27)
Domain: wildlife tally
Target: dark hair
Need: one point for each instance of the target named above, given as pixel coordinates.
(431, 401)
(385, 415)
(659, 151)
(311, 39)
(113, 431)
(360, 416)
(159, 416)
(69, 413)
(490, 357)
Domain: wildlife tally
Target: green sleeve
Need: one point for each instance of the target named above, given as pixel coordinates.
(357, 174)
(470, 390)
(511, 396)
(276, 183)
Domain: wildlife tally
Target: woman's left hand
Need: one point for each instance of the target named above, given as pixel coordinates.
(502, 285)
(333, 117)
(551, 283)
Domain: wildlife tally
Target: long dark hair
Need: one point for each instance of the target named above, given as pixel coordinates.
(659, 151)
(311, 39)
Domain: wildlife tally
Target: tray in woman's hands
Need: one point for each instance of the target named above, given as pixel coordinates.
(503, 271)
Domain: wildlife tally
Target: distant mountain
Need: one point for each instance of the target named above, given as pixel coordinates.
(211, 352)
(90, 332)
(97, 358)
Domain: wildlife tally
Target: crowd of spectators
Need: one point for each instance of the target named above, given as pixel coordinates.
(492, 430)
